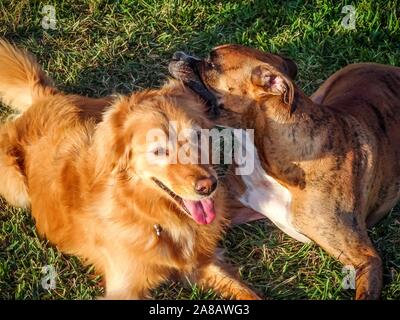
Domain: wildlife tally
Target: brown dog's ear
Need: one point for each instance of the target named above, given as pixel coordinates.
(291, 67)
(274, 83)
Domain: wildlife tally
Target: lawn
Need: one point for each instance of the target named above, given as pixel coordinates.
(100, 47)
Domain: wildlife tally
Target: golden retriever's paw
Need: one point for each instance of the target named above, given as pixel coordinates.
(248, 295)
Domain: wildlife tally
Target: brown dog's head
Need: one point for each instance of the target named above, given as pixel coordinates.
(236, 76)
(152, 139)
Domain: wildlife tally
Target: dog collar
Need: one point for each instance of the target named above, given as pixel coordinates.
(158, 230)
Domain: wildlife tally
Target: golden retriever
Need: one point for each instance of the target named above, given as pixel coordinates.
(81, 166)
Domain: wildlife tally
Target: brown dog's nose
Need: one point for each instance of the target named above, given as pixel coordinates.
(205, 186)
(181, 56)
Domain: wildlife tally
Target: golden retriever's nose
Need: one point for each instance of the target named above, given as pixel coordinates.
(205, 186)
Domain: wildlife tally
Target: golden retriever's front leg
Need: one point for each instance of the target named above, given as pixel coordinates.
(126, 288)
(13, 186)
(127, 281)
(217, 277)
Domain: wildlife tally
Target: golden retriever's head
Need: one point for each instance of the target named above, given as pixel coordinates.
(155, 138)
(238, 76)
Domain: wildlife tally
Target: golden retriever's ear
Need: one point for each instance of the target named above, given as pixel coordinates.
(114, 135)
(273, 82)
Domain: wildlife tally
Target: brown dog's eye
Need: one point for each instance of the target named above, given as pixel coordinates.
(210, 65)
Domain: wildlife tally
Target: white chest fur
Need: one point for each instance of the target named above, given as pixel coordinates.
(266, 196)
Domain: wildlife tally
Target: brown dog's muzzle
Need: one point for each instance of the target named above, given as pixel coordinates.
(191, 61)
(187, 69)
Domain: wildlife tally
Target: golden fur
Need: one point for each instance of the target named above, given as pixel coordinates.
(78, 164)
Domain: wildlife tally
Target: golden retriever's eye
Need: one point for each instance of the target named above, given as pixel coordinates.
(161, 152)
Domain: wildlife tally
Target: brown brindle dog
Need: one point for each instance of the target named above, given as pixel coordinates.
(336, 153)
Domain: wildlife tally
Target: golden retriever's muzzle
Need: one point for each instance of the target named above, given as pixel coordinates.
(186, 68)
(202, 211)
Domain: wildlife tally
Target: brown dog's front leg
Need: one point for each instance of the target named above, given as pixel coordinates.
(216, 276)
(369, 277)
(351, 245)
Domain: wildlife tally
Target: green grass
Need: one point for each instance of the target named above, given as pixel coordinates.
(101, 47)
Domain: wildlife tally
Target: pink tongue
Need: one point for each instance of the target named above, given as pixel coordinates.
(202, 211)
